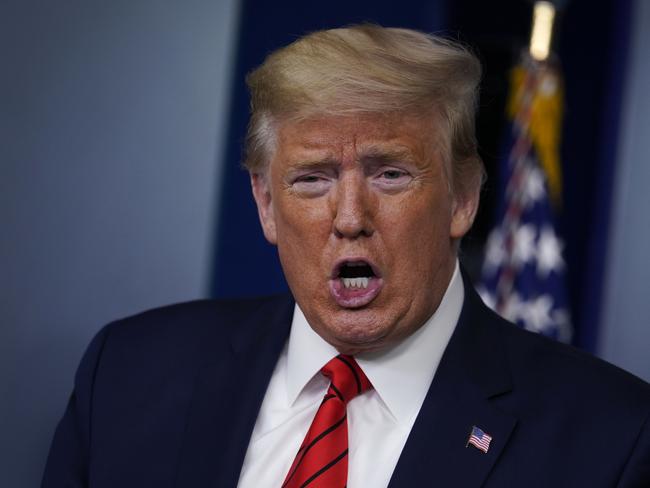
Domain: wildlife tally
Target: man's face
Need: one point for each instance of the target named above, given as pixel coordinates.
(361, 210)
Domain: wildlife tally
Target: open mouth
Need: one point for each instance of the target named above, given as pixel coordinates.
(355, 283)
(355, 274)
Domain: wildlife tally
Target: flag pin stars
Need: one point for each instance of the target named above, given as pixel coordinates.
(479, 439)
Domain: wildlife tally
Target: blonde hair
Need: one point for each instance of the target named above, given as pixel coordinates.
(368, 69)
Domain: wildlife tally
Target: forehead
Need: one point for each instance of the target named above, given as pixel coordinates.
(356, 136)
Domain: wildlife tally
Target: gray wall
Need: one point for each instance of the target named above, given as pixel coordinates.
(625, 333)
(111, 116)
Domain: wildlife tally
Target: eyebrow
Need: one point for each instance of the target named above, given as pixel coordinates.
(326, 162)
(369, 156)
(380, 155)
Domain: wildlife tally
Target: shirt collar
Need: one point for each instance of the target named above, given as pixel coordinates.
(400, 375)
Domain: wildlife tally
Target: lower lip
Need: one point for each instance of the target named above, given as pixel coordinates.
(355, 297)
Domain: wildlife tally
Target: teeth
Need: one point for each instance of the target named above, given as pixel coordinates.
(356, 282)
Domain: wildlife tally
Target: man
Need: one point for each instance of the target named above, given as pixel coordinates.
(387, 370)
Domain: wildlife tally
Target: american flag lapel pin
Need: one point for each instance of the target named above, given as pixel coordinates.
(479, 439)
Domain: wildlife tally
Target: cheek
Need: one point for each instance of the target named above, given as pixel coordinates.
(303, 220)
(303, 231)
(420, 233)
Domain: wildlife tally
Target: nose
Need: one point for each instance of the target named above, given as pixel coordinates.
(352, 206)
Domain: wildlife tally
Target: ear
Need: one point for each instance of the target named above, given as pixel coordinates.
(262, 195)
(464, 210)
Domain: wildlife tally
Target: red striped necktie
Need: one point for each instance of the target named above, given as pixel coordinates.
(322, 460)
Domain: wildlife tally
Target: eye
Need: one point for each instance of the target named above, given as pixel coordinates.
(311, 184)
(393, 174)
(392, 178)
(307, 179)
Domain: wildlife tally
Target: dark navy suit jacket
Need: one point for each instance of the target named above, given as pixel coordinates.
(169, 398)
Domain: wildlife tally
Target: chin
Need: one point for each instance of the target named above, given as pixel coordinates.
(357, 337)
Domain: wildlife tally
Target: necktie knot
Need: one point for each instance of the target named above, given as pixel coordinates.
(322, 460)
(347, 378)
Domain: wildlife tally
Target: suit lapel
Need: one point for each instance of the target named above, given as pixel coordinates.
(472, 372)
(227, 396)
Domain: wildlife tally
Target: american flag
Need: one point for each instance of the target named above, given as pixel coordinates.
(523, 275)
(479, 439)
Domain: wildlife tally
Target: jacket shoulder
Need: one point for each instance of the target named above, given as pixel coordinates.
(185, 334)
(552, 369)
(191, 326)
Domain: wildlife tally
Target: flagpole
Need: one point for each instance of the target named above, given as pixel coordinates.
(541, 33)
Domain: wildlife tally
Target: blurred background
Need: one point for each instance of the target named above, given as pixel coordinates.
(121, 127)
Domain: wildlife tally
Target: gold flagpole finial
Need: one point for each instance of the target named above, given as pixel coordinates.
(542, 31)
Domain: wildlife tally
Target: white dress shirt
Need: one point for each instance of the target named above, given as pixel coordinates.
(379, 420)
